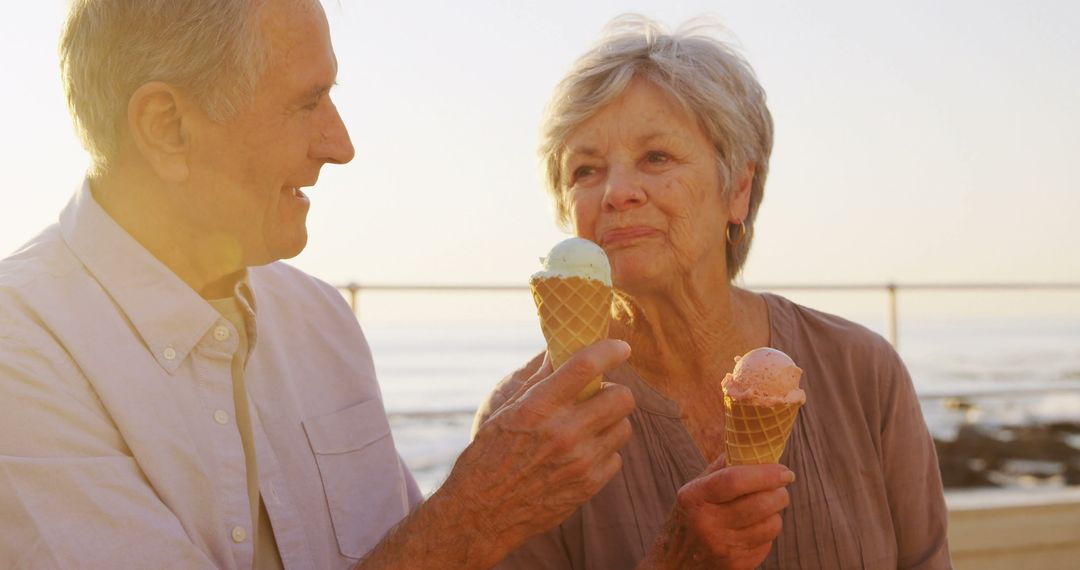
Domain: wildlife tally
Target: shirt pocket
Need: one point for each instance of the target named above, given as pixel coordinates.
(361, 474)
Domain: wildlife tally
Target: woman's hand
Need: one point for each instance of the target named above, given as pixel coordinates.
(726, 518)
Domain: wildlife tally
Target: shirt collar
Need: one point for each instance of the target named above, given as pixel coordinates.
(167, 314)
(242, 302)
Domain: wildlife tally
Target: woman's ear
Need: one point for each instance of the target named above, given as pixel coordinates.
(739, 200)
(156, 124)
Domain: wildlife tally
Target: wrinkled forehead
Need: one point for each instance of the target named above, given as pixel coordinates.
(635, 99)
(300, 54)
(287, 23)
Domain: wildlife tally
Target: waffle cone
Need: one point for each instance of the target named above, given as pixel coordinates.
(574, 313)
(757, 434)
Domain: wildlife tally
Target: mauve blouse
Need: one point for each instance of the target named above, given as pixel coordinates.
(868, 491)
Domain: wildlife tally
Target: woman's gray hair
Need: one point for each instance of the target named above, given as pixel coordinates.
(713, 83)
(212, 49)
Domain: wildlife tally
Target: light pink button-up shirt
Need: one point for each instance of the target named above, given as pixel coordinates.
(118, 448)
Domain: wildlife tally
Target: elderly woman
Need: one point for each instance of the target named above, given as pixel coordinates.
(657, 148)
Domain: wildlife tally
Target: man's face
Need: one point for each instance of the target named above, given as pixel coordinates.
(246, 175)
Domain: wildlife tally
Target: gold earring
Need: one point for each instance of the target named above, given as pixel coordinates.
(738, 238)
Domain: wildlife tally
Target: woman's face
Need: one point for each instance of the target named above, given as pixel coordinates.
(642, 182)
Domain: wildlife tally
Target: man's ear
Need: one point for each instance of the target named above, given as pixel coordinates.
(739, 201)
(156, 122)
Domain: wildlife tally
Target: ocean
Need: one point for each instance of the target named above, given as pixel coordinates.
(967, 370)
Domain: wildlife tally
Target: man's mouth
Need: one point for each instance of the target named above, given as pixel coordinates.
(295, 197)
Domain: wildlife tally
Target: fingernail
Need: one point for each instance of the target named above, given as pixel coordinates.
(788, 476)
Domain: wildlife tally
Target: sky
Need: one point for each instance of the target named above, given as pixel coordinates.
(919, 141)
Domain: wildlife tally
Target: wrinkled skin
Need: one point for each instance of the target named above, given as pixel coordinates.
(543, 454)
(726, 518)
(531, 464)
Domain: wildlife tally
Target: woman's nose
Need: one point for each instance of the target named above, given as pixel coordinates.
(623, 190)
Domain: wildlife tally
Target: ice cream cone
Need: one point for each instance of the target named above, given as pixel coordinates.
(757, 434)
(574, 313)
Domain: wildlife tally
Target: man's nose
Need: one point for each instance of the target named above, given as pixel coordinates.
(333, 143)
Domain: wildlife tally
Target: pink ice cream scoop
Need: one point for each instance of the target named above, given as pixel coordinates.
(764, 377)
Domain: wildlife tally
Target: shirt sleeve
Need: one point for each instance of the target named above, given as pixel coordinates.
(71, 494)
(412, 488)
(912, 476)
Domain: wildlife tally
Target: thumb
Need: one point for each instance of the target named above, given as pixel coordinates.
(567, 382)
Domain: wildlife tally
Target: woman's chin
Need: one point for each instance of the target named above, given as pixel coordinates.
(637, 279)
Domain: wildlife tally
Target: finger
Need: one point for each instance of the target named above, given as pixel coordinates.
(732, 482)
(751, 558)
(751, 509)
(612, 439)
(761, 533)
(610, 405)
(565, 383)
(719, 463)
(606, 472)
(544, 371)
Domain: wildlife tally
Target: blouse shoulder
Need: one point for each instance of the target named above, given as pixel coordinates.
(838, 356)
(505, 389)
(796, 325)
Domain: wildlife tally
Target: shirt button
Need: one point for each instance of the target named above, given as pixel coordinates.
(221, 417)
(221, 333)
(169, 353)
(239, 534)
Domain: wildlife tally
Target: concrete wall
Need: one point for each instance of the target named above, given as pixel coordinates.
(1015, 529)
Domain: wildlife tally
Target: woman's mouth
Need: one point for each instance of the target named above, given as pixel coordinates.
(624, 236)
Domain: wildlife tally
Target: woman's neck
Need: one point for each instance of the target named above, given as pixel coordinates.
(688, 336)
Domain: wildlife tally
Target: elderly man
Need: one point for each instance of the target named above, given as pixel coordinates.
(173, 396)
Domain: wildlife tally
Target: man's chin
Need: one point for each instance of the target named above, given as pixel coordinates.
(284, 249)
(291, 251)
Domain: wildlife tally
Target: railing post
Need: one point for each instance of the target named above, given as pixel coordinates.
(894, 338)
(354, 293)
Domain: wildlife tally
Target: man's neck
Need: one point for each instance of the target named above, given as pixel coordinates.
(223, 288)
(210, 264)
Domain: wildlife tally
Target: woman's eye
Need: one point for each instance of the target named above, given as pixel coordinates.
(583, 171)
(655, 157)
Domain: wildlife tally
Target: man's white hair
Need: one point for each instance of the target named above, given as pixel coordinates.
(211, 49)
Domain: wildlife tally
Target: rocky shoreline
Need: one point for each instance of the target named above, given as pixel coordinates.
(988, 455)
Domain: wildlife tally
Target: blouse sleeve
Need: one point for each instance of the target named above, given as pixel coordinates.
(912, 475)
(542, 552)
(504, 390)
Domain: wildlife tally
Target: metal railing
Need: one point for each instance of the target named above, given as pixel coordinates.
(891, 289)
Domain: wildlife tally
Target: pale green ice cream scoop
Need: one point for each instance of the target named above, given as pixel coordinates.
(576, 257)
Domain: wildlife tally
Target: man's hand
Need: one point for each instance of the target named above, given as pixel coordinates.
(534, 461)
(541, 455)
(726, 518)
